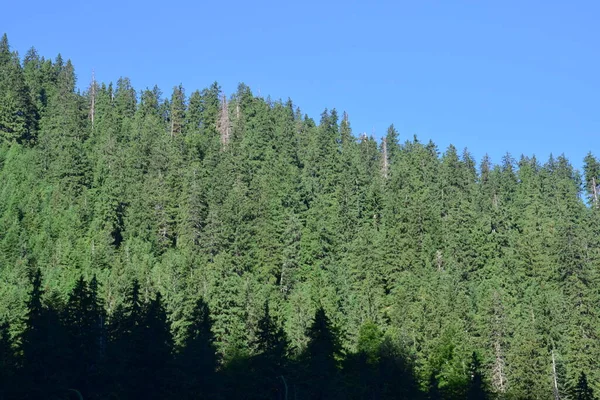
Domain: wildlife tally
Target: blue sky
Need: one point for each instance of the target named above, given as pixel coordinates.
(493, 76)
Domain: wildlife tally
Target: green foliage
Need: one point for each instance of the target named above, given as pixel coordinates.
(18, 114)
(155, 230)
(197, 354)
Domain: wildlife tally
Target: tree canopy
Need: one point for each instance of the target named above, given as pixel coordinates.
(217, 245)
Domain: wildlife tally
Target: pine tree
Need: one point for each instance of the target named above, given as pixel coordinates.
(197, 355)
(392, 145)
(419, 258)
(84, 323)
(126, 347)
(8, 363)
(178, 108)
(270, 361)
(155, 360)
(320, 358)
(18, 115)
(64, 133)
(43, 344)
(583, 391)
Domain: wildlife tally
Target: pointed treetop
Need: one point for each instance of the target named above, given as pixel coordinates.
(34, 304)
(4, 50)
(59, 63)
(31, 55)
(4, 47)
(392, 134)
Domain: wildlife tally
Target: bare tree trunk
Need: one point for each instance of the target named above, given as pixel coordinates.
(499, 379)
(554, 378)
(282, 286)
(498, 369)
(385, 166)
(223, 123)
(93, 99)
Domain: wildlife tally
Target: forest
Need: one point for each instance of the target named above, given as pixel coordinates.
(214, 246)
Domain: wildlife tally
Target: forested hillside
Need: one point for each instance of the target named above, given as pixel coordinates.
(205, 245)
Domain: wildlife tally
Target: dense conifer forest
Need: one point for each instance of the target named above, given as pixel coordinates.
(203, 246)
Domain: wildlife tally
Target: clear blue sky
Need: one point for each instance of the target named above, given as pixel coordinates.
(494, 76)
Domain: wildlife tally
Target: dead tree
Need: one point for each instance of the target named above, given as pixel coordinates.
(93, 91)
(223, 123)
(385, 160)
(499, 365)
(555, 390)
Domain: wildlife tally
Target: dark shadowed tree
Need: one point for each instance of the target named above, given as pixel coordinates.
(43, 345)
(84, 324)
(269, 365)
(197, 358)
(8, 364)
(476, 389)
(583, 391)
(320, 359)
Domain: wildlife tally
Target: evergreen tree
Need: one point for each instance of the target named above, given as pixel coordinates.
(197, 356)
(18, 115)
(43, 345)
(270, 362)
(320, 369)
(155, 360)
(177, 112)
(126, 347)
(582, 391)
(420, 259)
(8, 363)
(84, 323)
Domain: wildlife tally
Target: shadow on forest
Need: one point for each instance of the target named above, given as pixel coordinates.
(75, 351)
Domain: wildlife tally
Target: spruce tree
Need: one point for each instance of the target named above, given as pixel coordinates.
(320, 365)
(197, 356)
(18, 115)
(583, 391)
(8, 363)
(270, 361)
